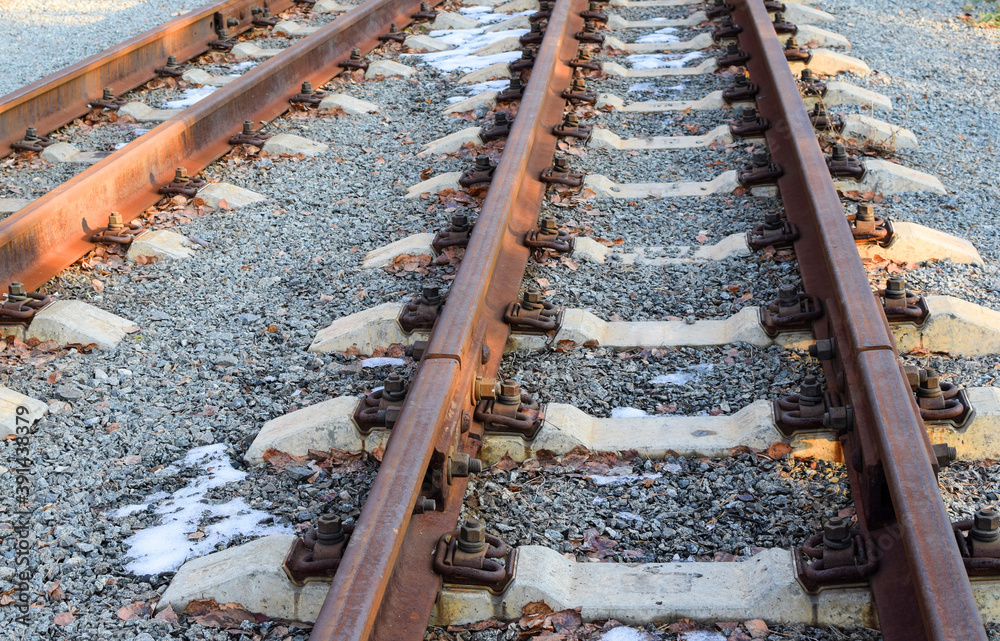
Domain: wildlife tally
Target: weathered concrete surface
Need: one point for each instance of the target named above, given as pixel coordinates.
(762, 587)
(417, 244)
(144, 113)
(294, 145)
(955, 326)
(316, 427)
(913, 243)
(887, 178)
(422, 44)
(365, 330)
(10, 205)
(388, 69)
(351, 106)
(566, 427)
(580, 326)
(18, 411)
(604, 187)
(453, 142)
(865, 129)
(215, 193)
(435, 184)
(74, 321)
(488, 98)
(496, 71)
(249, 50)
(601, 138)
(248, 574)
(161, 243)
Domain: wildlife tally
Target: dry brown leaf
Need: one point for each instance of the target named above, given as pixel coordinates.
(63, 618)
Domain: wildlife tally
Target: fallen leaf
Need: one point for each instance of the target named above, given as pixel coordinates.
(214, 615)
(139, 608)
(63, 618)
(99, 287)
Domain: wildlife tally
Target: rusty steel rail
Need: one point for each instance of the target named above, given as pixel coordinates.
(56, 99)
(53, 231)
(921, 589)
(385, 586)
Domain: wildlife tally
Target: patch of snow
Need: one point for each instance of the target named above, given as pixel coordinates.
(661, 60)
(625, 633)
(683, 377)
(190, 97)
(629, 516)
(627, 412)
(379, 361)
(621, 479)
(701, 635)
(660, 35)
(465, 42)
(643, 87)
(165, 547)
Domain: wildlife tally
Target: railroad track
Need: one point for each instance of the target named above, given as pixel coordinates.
(803, 183)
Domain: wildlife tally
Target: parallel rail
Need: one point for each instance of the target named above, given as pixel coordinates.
(54, 231)
(58, 98)
(895, 490)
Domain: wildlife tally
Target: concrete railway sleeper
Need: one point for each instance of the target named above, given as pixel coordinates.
(479, 450)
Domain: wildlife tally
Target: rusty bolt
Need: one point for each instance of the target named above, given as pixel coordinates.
(430, 295)
(515, 84)
(510, 391)
(583, 54)
(527, 53)
(425, 7)
(579, 85)
(930, 386)
(895, 291)
(459, 222)
(355, 54)
(502, 120)
(560, 164)
(307, 88)
(749, 115)
(472, 537)
(824, 349)
(571, 120)
(791, 43)
(761, 159)
(485, 388)
(788, 300)
(549, 225)
(109, 95)
(865, 211)
(986, 525)
(416, 351)
(807, 75)
(30, 134)
(839, 419)
(779, 18)
(839, 152)
(424, 505)
(115, 221)
(837, 533)
(533, 297)
(248, 128)
(16, 292)
(536, 27)
(462, 465)
(181, 175)
(172, 62)
(329, 529)
(393, 28)
(944, 454)
(810, 391)
(772, 221)
(394, 383)
(232, 22)
(483, 163)
(741, 80)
